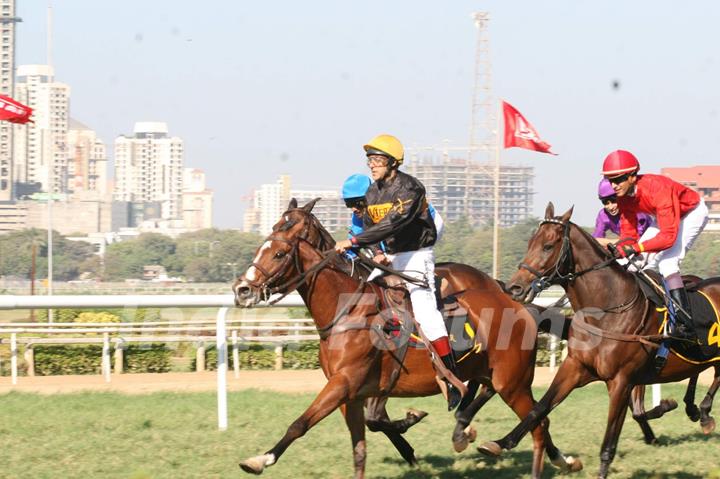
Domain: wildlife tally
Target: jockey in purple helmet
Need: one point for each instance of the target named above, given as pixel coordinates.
(608, 218)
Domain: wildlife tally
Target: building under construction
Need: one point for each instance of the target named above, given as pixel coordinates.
(461, 188)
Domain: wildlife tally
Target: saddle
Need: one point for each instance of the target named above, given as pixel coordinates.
(705, 318)
(396, 311)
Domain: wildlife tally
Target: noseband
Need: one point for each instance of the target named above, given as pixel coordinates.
(565, 261)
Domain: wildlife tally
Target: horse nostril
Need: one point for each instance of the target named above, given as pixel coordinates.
(243, 292)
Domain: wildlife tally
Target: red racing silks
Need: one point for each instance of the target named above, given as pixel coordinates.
(519, 132)
(14, 111)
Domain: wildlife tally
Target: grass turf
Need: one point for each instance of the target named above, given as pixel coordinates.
(167, 435)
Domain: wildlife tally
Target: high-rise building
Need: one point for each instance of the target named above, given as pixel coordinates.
(87, 160)
(7, 82)
(197, 200)
(40, 148)
(461, 188)
(271, 200)
(330, 210)
(706, 181)
(149, 168)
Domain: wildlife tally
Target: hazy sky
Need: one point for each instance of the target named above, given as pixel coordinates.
(257, 89)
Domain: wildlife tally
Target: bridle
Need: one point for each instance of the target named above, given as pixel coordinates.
(565, 261)
(291, 259)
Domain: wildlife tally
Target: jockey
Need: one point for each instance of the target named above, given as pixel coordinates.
(680, 215)
(398, 215)
(353, 193)
(608, 218)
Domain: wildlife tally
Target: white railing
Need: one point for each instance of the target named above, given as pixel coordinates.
(223, 302)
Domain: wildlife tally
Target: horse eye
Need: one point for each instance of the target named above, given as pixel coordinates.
(548, 247)
(280, 254)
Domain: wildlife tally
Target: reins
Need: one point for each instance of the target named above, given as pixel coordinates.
(566, 260)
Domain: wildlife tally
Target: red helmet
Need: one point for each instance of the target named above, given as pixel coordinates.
(620, 162)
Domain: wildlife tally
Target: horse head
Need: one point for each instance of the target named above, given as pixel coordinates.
(548, 258)
(276, 260)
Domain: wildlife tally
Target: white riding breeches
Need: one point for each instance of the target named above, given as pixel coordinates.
(668, 261)
(420, 264)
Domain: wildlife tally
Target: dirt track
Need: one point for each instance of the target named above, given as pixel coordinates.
(295, 381)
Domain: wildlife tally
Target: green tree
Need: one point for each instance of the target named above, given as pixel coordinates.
(126, 259)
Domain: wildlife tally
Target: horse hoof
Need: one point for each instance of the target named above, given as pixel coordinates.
(574, 464)
(708, 426)
(461, 444)
(651, 441)
(470, 433)
(256, 465)
(668, 404)
(415, 414)
(491, 449)
(693, 413)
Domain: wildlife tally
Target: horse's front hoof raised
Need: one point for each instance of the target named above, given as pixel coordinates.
(256, 465)
(415, 415)
(491, 449)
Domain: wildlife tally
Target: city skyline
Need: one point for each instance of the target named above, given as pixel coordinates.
(255, 94)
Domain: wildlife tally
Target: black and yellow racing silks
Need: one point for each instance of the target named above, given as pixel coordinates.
(397, 213)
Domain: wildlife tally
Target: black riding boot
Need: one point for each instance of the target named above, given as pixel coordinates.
(683, 328)
(453, 395)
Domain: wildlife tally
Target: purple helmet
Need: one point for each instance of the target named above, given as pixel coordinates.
(605, 189)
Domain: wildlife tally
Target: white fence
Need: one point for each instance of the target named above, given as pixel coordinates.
(223, 302)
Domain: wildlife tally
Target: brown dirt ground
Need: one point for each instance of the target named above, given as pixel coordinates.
(290, 381)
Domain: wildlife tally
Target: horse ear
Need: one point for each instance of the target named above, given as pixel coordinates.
(310, 205)
(549, 211)
(566, 217)
(293, 204)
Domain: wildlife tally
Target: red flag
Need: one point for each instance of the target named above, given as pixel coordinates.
(13, 111)
(519, 132)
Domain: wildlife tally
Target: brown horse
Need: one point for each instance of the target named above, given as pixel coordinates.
(608, 335)
(354, 354)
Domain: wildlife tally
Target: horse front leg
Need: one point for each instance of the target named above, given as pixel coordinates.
(707, 422)
(619, 390)
(355, 420)
(637, 407)
(571, 374)
(691, 409)
(335, 393)
(463, 434)
(377, 419)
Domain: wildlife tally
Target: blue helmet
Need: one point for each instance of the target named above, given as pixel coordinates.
(355, 187)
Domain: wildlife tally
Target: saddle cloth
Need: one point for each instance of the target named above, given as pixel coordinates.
(705, 318)
(396, 310)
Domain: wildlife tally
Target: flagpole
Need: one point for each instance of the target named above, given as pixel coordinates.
(496, 215)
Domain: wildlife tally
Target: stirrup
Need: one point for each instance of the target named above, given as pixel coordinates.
(453, 396)
(659, 363)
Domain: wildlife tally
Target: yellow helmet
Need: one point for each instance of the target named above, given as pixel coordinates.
(386, 145)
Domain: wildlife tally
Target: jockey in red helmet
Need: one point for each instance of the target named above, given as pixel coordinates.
(680, 215)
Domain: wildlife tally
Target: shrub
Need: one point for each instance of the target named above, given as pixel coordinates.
(86, 359)
(152, 358)
(96, 317)
(53, 360)
(262, 356)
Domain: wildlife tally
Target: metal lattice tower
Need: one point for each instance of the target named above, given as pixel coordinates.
(482, 121)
